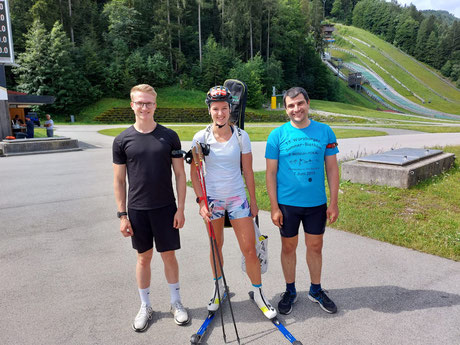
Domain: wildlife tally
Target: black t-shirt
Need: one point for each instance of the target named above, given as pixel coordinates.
(148, 164)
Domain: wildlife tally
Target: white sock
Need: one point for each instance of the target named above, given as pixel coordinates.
(220, 283)
(175, 292)
(144, 294)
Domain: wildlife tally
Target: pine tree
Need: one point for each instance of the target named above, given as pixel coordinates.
(47, 68)
(406, 34)
(426, 28)
(34, 62)
(70, 87)
(123, 24)
(431, 51)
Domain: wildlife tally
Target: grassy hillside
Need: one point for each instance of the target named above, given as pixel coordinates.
(387, 61)
(171, 97)
(175, 97)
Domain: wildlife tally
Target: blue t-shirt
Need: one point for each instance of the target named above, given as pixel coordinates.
(300, 154)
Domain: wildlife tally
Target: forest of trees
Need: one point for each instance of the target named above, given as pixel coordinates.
(82, 50)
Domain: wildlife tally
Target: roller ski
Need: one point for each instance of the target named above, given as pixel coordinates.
(196, 338)
(214, 304)
(276, 322)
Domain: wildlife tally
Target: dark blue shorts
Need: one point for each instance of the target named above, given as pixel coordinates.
(313, 220)
(154, 226)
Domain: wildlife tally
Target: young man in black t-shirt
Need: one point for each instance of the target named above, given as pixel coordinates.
(145, 153)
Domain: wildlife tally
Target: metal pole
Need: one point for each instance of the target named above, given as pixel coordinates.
(5, 122)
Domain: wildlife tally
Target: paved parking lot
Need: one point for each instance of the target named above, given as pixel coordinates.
(67, 275)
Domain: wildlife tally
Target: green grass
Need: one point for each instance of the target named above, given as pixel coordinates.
(40, 133)
(88, 113)
(170, 97)
(425, 218)
(348, 109)
(175, 97)
(186, 133)
(427, 76)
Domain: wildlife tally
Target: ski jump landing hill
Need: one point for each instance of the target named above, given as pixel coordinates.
(393, 78)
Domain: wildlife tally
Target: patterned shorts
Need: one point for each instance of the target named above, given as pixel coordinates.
(237, 207)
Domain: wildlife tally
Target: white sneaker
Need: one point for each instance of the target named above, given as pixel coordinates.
(264, 304)
(141, 321)
(214, 302)
(180, 313)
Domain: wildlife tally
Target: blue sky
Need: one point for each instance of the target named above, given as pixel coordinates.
(452, 6)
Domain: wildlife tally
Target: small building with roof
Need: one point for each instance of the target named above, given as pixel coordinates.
(20, 103)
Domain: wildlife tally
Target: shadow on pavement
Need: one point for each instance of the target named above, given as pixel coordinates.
(385, 299)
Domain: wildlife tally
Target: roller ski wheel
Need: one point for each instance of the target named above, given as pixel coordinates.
(195, 339)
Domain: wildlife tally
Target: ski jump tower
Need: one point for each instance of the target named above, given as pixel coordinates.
(6, 58)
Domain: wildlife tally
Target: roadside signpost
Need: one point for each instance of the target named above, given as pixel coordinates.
(6, 58)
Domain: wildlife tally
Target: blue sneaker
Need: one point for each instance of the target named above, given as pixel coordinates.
(287, 300)
(324, 302)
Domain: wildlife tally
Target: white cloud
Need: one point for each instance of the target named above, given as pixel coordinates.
(451, 6)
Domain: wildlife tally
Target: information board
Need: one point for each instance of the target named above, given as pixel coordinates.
(6, 37)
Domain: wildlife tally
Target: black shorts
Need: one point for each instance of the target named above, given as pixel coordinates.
(313, 220)
(154, 225)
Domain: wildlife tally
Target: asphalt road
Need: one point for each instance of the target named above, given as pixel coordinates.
(67, 275)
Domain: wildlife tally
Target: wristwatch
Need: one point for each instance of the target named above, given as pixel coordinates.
(198, 199)
(121, 214)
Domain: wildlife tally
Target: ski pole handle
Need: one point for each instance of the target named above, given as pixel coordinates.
(197, 155)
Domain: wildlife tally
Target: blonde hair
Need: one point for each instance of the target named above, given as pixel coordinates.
(143, 88)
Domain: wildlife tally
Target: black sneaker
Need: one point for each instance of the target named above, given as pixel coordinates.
(287, 300)
(324, 302)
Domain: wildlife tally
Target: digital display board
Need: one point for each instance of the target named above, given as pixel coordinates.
(6, 37)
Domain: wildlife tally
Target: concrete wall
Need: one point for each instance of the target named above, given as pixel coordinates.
(394, 175)
(38, 145)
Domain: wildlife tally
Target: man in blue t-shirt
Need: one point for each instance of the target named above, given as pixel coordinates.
(296, 154)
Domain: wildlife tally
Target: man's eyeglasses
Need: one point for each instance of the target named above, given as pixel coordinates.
(141, 105)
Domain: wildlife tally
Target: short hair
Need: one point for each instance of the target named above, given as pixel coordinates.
(294, 92)
(143, 88)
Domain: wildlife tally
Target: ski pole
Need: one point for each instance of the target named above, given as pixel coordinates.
(199, 170)
(198, 158)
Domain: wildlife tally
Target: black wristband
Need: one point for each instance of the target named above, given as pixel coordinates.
(121, 214)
